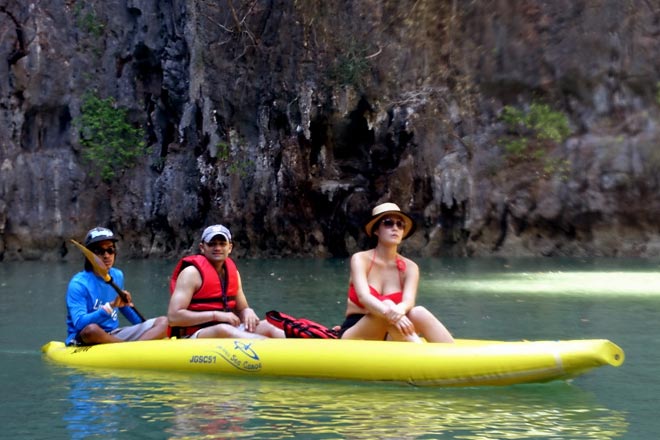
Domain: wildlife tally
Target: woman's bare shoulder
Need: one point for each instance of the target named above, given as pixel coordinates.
(360, 257)
(409, 262)
(361, 254)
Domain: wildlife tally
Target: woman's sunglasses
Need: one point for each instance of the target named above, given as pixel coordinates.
(389, 223)
(101, 251)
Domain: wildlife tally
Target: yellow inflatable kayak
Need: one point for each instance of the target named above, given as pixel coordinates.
(465, 363)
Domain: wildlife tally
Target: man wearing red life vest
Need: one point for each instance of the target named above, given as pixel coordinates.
(207, 298)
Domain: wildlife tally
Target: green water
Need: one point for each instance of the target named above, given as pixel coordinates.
(483, 298)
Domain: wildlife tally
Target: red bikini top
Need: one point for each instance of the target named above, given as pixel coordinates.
(395, 297)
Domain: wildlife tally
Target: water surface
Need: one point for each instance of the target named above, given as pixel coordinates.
(477, 298)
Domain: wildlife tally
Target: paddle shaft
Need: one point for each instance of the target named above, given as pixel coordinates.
(123, 297)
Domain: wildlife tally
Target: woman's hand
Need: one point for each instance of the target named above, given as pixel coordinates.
(393, 312)
(405, 326)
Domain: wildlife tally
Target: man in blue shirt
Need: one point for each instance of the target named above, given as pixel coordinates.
(92, 304)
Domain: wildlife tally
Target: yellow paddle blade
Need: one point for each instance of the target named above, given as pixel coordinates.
(97, 263)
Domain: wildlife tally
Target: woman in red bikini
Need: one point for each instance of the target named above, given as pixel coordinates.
(383, 286)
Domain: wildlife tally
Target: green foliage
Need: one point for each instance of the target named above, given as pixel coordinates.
(516, 147)
(351, 66)
(223, 152)
(87, 20)
(540, 119)
(110, 143)
(532, 132)
(234, 167)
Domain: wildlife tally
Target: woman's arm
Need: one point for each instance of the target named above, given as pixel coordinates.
(410, 284)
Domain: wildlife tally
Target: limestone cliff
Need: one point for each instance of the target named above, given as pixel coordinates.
(288, 120)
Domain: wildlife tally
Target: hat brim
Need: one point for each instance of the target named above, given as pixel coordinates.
(408, 229)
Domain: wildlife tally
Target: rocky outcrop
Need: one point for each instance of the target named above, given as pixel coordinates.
(287, 121)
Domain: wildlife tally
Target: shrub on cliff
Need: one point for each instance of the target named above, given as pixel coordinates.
(110, 142)
(531, 133)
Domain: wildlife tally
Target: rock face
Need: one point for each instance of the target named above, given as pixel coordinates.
(287, 121)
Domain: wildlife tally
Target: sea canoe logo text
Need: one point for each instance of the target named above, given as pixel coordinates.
(241, 356)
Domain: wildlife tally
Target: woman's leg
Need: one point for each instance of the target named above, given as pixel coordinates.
(368, 327)
(428, 325)
(393, 334)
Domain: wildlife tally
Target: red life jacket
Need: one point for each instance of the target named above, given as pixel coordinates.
(300, 327)
(211, 295)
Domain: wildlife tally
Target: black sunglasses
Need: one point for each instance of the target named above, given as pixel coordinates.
(389, 223)
(101, 251)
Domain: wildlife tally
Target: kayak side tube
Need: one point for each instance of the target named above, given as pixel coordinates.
(464, 363)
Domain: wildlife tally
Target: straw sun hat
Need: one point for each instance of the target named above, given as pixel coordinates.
(383, 210)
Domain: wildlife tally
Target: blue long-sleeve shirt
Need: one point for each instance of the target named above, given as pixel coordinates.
(85, 297)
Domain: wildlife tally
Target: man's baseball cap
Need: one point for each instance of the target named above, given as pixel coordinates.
(215, 230)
